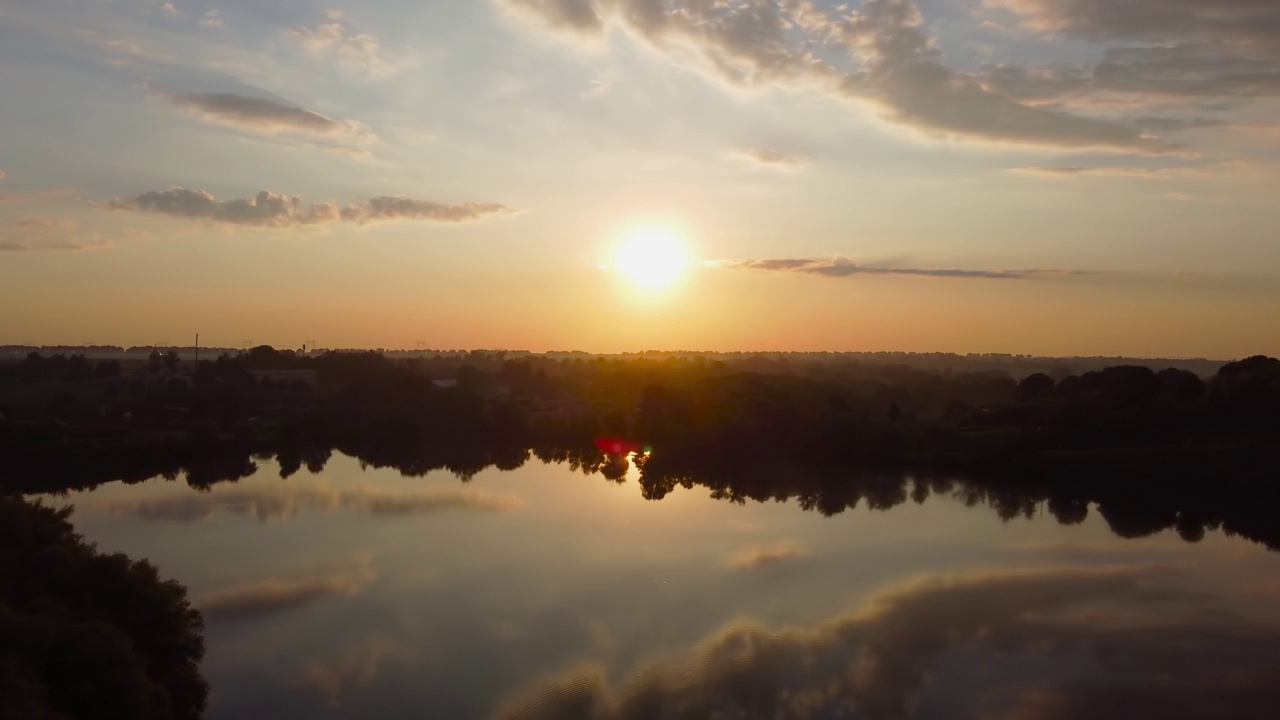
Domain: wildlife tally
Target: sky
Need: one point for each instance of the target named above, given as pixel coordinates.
(1056, 177)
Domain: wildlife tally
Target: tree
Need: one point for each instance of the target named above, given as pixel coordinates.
(1034, 388)
(88, 635)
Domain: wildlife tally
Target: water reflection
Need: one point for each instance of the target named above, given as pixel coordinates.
(1132, 652)
(267, 504)
(538, 593)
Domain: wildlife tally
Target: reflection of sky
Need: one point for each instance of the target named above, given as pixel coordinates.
(365, 594)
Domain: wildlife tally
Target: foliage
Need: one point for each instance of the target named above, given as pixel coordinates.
(90, 635)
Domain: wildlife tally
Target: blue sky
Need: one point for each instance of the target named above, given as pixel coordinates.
(459, 172)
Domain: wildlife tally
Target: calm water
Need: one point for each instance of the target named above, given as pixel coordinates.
(545, 593)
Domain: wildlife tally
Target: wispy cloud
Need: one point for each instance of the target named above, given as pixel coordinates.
(842, 268)
(759, 556)
(275, 210)
(212, 20)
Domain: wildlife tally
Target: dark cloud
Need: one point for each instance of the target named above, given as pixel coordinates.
(841, 267)
(878, 53)
(273, 595)
(769, 555)
(1107, 642)
(259, 114)
(276, 504)
(270, 209)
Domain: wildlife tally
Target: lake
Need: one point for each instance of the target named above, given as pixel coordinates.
(544, 592)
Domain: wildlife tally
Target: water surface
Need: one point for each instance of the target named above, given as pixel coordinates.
(358, 593)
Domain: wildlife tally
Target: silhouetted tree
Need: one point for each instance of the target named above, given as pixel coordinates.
(1035, 388)
(87, 635)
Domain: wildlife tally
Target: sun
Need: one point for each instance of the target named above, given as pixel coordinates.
(652, 258)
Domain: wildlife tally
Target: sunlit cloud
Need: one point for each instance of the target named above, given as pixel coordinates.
(273, 595)
(212, 20)
(760, 556)
(267, 504)
(882, 662)
(275, 210)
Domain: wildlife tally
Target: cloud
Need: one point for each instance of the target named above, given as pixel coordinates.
(276, 504)
(772, 158)
(1177, 48)
(382, 502)
(769, 555)
(578, 16)
(360, 53)
(35, 234)
(1251, 26)
(263, 597)
(1209, 170)
(170, 10)
(212, 20)
(357, 667)
(841, 267)
(1080, 640)
(122, 50)
(275, 210)
(877, 54)
(3, 175)
(261, 115)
